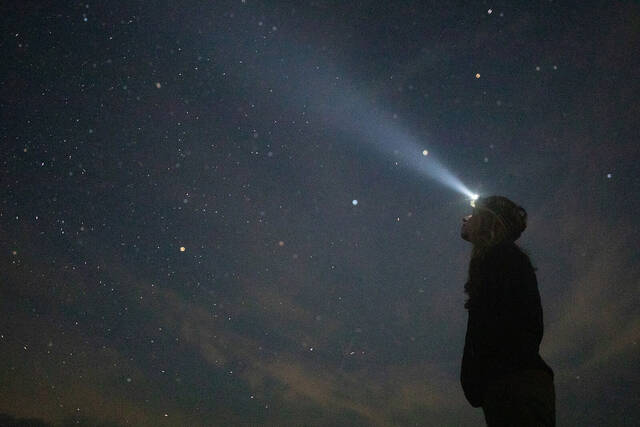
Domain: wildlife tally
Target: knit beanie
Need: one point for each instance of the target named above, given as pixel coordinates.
(512, 216)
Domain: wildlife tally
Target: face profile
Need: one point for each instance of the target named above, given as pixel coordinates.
(470, 226)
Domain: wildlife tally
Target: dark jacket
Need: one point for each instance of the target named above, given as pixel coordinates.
(505, 326)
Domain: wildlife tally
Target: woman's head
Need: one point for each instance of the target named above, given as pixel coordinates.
(494, 220)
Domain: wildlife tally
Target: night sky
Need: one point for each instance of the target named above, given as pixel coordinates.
(210, 212)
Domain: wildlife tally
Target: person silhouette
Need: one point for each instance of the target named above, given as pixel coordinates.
(501, 369)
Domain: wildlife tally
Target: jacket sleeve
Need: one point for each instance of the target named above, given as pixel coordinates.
(526, 318)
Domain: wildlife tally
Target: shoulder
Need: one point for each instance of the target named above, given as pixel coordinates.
(509, 251)
(504, 253)
(509, 260)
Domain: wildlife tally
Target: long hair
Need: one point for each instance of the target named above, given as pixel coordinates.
(492, 231)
